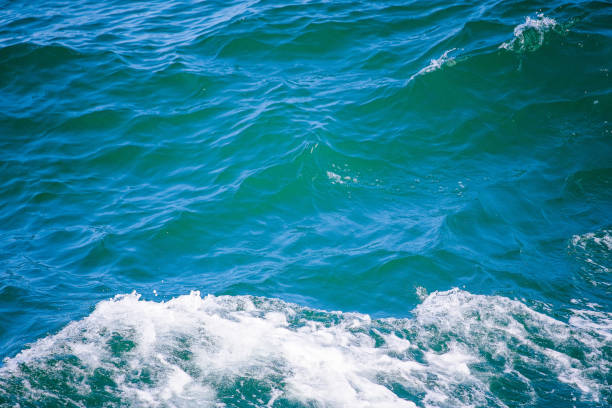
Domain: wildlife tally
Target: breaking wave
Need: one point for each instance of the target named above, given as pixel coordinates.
(531, 35)
(437, 63)
(458, 349)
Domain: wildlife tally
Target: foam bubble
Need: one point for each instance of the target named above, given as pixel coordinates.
(336, 178)
(458, 349)
(530, 35)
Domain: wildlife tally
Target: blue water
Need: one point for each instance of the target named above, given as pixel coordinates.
(306, 204)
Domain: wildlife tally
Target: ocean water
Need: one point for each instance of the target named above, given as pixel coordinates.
(306, 204)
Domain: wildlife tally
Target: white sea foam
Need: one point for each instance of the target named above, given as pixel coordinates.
(336, 178)
(595, 321)
(437, 63)
(593, 250)
(530, 35)
(215, 351)
(602, 240)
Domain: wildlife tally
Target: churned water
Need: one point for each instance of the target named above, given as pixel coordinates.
(306, 204)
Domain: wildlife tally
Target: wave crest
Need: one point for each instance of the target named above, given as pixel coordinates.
(530, 35)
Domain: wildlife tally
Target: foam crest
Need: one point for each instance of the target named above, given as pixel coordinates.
(246, 351)
(601, 240)
(437, 63)
(530, 35)
(592, 251)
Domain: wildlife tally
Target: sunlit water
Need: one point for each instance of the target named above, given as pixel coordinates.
(306, 204)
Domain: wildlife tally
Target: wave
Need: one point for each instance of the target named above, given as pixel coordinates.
(437, 63)
(249, 351)
(530, 35)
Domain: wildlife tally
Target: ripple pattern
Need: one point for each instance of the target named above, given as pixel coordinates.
(337, 155)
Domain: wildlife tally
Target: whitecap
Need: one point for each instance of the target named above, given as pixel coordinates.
(437, 63)
(602, 240)
(247, 351)
(530, 35)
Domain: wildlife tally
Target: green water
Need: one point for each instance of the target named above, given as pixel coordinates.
(437, 173)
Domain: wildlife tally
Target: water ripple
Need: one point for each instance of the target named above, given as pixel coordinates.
(340, 155)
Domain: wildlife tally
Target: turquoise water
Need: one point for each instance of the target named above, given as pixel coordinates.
(306, 204)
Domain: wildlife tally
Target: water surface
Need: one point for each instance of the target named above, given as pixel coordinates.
(374, 203)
